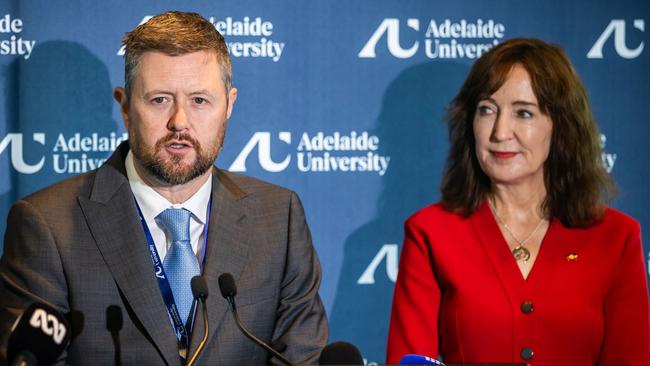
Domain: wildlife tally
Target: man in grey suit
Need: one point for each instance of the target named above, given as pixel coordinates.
(97, 240)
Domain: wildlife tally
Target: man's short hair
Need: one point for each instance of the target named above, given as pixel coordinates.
(174, 33)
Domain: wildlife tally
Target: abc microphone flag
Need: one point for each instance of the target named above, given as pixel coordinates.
(38, 336)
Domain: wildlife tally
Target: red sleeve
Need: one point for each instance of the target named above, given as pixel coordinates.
(627, 314)
(416, 301)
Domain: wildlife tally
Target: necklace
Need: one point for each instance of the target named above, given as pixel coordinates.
(520, 252)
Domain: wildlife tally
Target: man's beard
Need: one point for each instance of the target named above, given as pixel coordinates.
(172, 171)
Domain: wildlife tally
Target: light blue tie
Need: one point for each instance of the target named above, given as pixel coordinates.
(180, 262)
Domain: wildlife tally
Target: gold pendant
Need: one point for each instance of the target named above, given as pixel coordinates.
(521, 254)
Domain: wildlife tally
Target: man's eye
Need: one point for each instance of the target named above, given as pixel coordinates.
(158, 100)
(199, 100)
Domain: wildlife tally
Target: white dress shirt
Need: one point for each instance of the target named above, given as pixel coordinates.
(152, 204)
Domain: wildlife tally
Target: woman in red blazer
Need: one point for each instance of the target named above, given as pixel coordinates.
(522, 261)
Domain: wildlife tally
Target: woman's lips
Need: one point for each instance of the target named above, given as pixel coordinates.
(503, 154)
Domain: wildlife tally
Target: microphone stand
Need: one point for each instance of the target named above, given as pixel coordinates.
(205, 334)
(231, 302)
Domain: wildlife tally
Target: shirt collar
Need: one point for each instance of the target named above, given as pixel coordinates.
(152, 203)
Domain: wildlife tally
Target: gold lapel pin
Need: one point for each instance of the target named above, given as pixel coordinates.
(572, 257)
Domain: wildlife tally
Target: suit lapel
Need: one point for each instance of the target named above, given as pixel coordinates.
(113, 220)
(229, 241)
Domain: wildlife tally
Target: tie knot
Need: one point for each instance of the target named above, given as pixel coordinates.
(176, 222)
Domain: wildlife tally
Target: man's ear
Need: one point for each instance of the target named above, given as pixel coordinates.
(123, 100)
(232, 97)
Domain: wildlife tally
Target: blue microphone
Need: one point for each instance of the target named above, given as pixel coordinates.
(419, 360)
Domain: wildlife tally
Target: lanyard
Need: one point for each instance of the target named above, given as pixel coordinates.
(165, 289)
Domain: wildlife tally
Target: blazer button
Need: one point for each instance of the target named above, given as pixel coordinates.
(526, 353)
(527, 307)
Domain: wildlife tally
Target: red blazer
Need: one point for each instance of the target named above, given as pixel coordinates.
(460, 294)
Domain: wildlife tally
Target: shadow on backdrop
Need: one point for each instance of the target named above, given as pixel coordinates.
(61, 89)
(413, 134)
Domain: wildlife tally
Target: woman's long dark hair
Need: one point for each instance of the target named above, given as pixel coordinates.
(577, 185)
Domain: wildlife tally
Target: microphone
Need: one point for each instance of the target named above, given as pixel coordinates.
(340, 353)
(229, 291)
(114, 323)
(199, 288)
(76, 320)
(412, 359)
(200, 293)
(38, 336)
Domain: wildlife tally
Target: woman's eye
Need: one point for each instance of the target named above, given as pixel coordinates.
(524, 113)
(484, 110)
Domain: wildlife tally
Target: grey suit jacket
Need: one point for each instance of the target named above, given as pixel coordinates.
(79, 246)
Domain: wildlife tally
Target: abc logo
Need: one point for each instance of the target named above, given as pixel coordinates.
(49, 324)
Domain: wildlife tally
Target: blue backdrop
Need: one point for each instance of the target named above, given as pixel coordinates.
(341, 101)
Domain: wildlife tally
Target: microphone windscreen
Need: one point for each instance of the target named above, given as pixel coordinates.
(340, 353)
(114, 321)
(40, 330)
(227, 286)
(419, 360)
(199, 287)
(76, 320)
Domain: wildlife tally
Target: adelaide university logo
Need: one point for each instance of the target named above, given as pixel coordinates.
(17, 160)
(436, 39)
(11, 41)
(262, 140)
(70, 154)
(247, 37)
(390, 27)
(320, 152)
(617, 28)
(388, 253)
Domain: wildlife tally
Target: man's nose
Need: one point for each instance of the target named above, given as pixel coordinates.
(178, 120)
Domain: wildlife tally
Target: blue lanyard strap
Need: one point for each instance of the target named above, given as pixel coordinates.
(182, 332)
